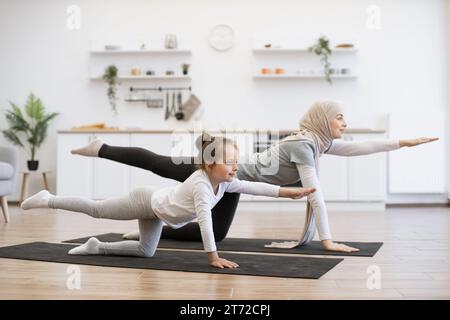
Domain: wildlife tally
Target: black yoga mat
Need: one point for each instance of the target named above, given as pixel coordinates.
(249, 264)
(367, 249)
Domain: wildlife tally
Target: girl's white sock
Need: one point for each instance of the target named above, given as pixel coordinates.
(91, 247)
(90, 150)
(39, 200)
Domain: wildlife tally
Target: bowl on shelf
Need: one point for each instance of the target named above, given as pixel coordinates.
(334, 71)
(345, 46)
(112, 47)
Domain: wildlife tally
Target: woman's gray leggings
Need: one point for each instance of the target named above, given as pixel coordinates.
(136, 205)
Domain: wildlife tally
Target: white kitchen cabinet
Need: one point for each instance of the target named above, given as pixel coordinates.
(420, 169)
(360, 178)
(111, 179)
(367, 174)
(160, 143)
(333, 177)
(90, 177)
(183, 144)
(74, 173)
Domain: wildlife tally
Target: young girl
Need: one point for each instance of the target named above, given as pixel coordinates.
(176, 206)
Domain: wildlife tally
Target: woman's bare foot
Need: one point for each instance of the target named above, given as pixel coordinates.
(133, 235)
(339, 247)
(90, 150)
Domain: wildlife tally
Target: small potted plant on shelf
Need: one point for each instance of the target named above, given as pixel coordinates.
(110, 77)
(32, 128)
(185, 68)
(323, 50)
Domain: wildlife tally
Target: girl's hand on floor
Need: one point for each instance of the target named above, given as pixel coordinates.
(339, 247)
(295, 193)
(223, 263)
(416, 142)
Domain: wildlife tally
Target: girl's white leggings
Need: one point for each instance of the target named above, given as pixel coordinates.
(136, 205)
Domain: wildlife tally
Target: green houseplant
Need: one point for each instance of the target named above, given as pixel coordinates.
(323, 50)
(28, 130)
(185, 68)
(110, 77)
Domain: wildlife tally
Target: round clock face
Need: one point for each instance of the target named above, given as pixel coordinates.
(221, 37)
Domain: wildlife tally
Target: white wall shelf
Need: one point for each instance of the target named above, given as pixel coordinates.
(303, 76)
(128, 56)
(301, 50)
(291, 54)
(156, 51)
(143, 77)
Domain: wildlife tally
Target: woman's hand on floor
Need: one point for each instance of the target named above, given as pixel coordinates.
(416, 142)
(339, 247)
(295, 193)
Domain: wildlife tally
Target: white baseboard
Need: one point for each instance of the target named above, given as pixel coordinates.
(398, 198)
(284, 206)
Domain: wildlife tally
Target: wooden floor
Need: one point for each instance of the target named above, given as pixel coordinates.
(414, 260)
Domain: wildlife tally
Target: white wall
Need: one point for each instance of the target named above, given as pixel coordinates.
(401, 66)
(448, 95)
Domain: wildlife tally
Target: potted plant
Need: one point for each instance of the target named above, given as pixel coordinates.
(32, 127)
(323, 50)
(110, 77)
(185, 68)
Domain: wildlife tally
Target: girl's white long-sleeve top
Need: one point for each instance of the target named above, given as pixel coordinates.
(195, 197)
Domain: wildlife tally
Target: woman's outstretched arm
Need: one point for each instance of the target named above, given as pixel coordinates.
(359, 148)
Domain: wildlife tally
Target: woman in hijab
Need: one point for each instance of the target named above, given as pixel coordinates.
(292, 160)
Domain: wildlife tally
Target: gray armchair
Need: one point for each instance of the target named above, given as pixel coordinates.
(8, 176)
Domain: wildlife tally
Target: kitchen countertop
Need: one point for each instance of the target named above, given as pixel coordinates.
(282, 131)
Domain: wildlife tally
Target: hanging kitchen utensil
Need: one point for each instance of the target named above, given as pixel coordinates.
(155, 103)
(166, 116)
(190, 106)
(152, 101)
(172, 109)
(179, 115)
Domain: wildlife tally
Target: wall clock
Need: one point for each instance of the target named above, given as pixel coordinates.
(221, 37)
